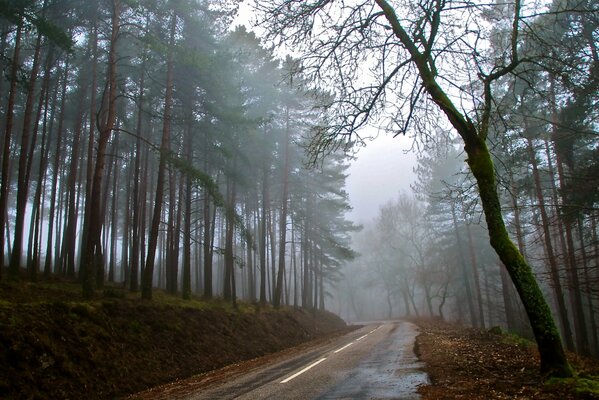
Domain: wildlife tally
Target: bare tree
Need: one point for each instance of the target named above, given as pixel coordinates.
(403, 67)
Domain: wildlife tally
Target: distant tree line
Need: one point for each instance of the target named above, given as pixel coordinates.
(147, 144)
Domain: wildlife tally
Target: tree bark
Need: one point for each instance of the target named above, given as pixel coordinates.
(553, 267)
(283, 217)
(207, 241)
(5, 183)
(465, 274)
(92, 265)
(164, 150)
(567, 218)
(34, 244)
(229, 256)
(24, 162)
(475, 275)
(262, 240)
(56, 172)
(186, 284)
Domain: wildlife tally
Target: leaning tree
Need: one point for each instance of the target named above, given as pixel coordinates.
(399, 64)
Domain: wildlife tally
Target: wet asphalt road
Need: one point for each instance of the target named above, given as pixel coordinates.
(374, 362)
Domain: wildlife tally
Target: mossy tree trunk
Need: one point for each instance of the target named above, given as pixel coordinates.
(553, 359)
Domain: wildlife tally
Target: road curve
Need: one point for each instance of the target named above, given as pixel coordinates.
(374, 362)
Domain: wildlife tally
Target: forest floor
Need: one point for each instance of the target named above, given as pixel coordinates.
(466, 363)
(54, 344)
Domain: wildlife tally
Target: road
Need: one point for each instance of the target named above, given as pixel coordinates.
(374, 362)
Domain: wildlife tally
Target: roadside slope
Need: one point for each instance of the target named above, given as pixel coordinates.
(55, 345)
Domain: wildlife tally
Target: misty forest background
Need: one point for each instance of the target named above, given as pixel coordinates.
(148, 144)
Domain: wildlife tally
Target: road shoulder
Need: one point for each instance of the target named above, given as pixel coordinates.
(477, 364)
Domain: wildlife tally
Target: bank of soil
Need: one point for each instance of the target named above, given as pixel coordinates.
(465, 363)
(54, 344)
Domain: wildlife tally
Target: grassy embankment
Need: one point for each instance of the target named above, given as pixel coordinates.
(54, 344)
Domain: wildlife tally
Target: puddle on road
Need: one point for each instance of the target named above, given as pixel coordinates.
(392, 371)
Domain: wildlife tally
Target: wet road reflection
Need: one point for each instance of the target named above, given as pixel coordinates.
(391, 371)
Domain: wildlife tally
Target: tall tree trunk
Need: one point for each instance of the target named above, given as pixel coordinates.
(207, 247)
(164, 153)
(321, 298)
(553, 268)
(186, 284)
(465, 274)
(137, 207)
(199, 283)
(595, 241)
(283, 218)
(143, 211)
(553, 359)
(567, 219)
(262, 240)
(125, 248)
(30, 161)
(56, 172)
(475, 275)
(70, 233)
(510, 315)
(251, 284)
(92, 265)
(34, 245)
(588, 282)
(271, 227)
(308, 250)
(23, 175)
(176, 243)
(229, 230)
(89, 170)
(170, 267)
(294, 265)
(5, 183)
(113, 216)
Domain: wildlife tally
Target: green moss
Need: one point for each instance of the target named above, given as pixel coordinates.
(582, 386)
(496, 330)
(481, 165)
(512, 338)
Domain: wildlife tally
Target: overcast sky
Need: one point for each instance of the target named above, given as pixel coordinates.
(380, 172)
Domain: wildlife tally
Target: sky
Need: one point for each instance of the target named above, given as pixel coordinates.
(381, 171)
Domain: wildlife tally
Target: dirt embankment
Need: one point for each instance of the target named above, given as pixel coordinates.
(54, 346)
(466, 363)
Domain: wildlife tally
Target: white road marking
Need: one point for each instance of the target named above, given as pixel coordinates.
(303, 370)
(324, 358)
(343, 348)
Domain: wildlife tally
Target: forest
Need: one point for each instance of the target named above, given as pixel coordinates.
(428, 251)
(151, 144)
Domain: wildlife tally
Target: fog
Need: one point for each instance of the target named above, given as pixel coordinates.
(382, 169)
